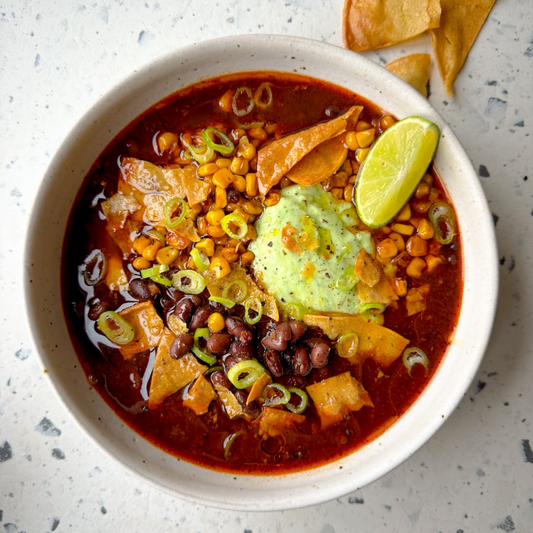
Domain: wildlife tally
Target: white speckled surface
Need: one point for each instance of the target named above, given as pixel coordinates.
(476, 473)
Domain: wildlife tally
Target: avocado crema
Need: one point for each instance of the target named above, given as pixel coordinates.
(306, 249)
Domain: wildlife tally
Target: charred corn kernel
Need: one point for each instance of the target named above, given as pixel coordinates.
(355, 167)
(398, 241)
(285, 182)
(253, 163)
(428, 178)
(177, 241)
(207, 246)
(400, 286)
(167, 141)
(386, 230)
(425, 229)
(258, 133)
(239, 183)
(337, 192)
(139, 263)
(351, 141)
(347, 167)
(433, 195)
(140, 243)
(247, 258)
(248, 152)
(361, 154)
(223, 162)
(403, 229)
(362, 125)
(201, 224)
(215, 216)
(351, 179)
(251, 234)
(232, 243)
(340, 179)
(256, 143)
(366, 137)
(348, 193)
(272, 198)
(251, 184)
(270, 127)
(230, 254)
(221, 240)
(422, 206)
(222, 178)
(215, 231)
(239, 166)
(433, 262)
(416, 247)
(422, 191)
(387, 249)
(216, 322)
(415, 267)
(242, 213)
(180, 160)
(220, 267)
(226, 101)
(166, 255)
(237, 134)
(387, 121)
(252, 207)
(207, 169)
(150, 251)
(405, 214)
(327, 184)
(221, 198)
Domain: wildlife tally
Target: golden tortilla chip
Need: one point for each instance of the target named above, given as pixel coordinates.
(116, 278)
(415, 300)
(169, 374)
(413, 69)
(274, 422)
(378, 342)
(257, 388)
(371, 24)
(216, 288)
(147, 325)
(231, 405)
(460, 24)
(337, 396)
(276, 159)
(365, 269)
(200, 395)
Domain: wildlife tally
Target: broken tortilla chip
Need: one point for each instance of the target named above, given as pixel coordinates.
(371, 24)
(116, 278)
(279, 157)
(200, 395)
(257, 388)
(460, 24)
(274, 422)
(413, 69)
(231, 405)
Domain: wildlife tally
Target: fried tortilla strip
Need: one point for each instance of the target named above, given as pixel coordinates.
(216, 288)
(378, 342)
(415, 300)
(371, 24)
(116, 278)
(147, 325)
(413, 69)
(257, 388)
(276, 159)
(366, 270)
(337, 396)
(380, 292)
(200, 395)
(170, 375)
(274, 422)
(231, 405)
(460, 24)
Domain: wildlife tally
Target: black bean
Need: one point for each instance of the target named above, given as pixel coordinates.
(234, 326)
(314, 341)
(200, 318)
(249, 408)
(301, 364)
(273, 362)
(230, 361)
(215, 306)
(174, 294)
(278, 338)
(246, 337)
(139, 289)
(218, 342)
(294, 381)
(219, 377)
(184, 309)
(167, 303)
(241, 351)
(96, 308)
(319, 355)
(197, 300)
(298, 329)
(181, 345)
(152, 287)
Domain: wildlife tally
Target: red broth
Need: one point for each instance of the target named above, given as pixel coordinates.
(212, 439)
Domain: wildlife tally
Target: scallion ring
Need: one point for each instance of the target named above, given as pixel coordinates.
(201, 154)
(347, 281)
(295, 311)
(251, 125)
(235, 220)
(372, 306)
(162, 281)
(255, 305)
(170, 208)
(227, 145)
(243, 101)
(300, 408)
(156, 235)
(280, 395)
(347, 345)
(115, 328)
(188, 281)
(213, 369)
(228, 441)
(222, 301)
(153, 271)
(259, 99)
(199, 334)
(94, 268)
(237, 291)
(442, 219)
(415, 356)
(200, 259)
(245, 373)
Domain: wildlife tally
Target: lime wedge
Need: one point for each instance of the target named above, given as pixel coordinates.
(393, 168)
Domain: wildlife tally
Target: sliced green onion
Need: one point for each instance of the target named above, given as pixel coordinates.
(213, 369)
(227, 145)
(236, 290)
(202, 333)
(238, 221)
(200, 259)
(442, 219)
(162, 281)
(415, 356)
(158, 236)
(253, 304)
(228, 441)
(372, 307)
(373, 317)
(347, 281)
(168, 211)
(258, 96)
(281, 395)
(300, 408)
(188, 281)
(154, 271)
(115, 328)
(347, 345)
(223, 301)
(202, 154)
(94, 268)
(251, 125)
(295, 311)
(245, 373)
(247, 92)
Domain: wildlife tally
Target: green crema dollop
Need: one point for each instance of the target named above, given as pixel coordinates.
(306, 249)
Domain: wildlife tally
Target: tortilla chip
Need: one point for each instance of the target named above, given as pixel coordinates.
(378, 342)
(337, 396)
(176, 324)
(169, 374)
(274, 422)
(371, 24)
(231, 405)
(257, 388)
(413, 69)
(276, 159)
(460, 24)
(200, 395)
(116, 278)
(117, 208)
(216, 288)
(147, 325)
(365, 269)
(415, 300)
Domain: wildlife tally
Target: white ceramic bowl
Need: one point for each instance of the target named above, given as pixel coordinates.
(43, 285)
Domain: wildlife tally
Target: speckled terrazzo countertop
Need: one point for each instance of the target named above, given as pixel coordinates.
(474, 475)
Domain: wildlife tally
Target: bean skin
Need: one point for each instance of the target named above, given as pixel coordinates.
(273, 362)
(230, 361)
(200, 318)
(319, 355)
(232, 196)
(218, 342)
(196, 299)
(298, 329)
(241, 351)
(181, 345)
(174, 294)
(234, 326)
(246, 337)
(278, 338)
(184, 309)
(215, 306)
(301, 364)
(139, 289)
(219, 377)
(249, 408)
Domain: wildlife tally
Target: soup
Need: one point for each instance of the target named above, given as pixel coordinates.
(222, 293)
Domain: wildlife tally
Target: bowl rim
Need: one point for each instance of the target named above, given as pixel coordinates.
(86, 121)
